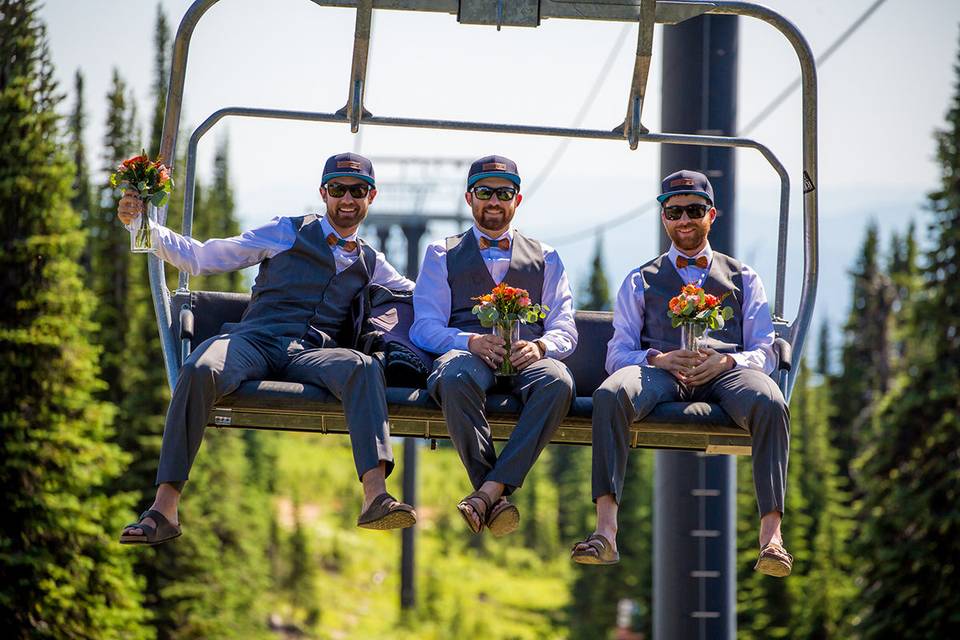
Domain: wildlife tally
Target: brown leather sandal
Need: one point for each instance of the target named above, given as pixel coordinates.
(151, 535)
(774, 561)
(596, 549)
(386, 512)
(503, 518)
(478, 503)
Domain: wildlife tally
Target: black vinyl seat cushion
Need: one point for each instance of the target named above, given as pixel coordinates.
(212, 309)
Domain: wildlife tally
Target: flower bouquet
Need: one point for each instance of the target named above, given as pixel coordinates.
(695, 312)
(153, 184)
(503, 309)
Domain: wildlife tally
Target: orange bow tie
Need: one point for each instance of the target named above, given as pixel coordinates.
(347, 245)
(700, 262)
(503, 243)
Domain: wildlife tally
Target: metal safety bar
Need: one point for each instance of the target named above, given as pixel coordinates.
(354, 114)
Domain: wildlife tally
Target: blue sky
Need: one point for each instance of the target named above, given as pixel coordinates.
(881, 96)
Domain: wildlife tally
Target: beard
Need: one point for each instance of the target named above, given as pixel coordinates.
(494, 218)
(346, 220)
(689, 241)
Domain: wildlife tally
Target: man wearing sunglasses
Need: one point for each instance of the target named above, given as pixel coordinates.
(454, 272)
(300, 326)
(647, 368)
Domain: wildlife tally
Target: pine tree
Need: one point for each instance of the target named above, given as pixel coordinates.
(161, 78)
(109, 246)
(908, 549)
(82, 201)
(597, 590)
(62, 575)
(865, 352)
(597, 295)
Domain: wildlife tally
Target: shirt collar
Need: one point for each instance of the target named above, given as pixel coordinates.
(506, 234)
(707, 251)
(328, 229)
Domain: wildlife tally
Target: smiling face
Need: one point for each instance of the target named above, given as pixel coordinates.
(493, 216)
(346, 212)
(689, 235)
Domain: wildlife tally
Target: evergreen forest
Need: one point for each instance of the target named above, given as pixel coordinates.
(271, 549)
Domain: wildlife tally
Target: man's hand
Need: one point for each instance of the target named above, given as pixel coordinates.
(488, 348)
(713, 365)
(129, 207)
(680, 362)
(524, 353)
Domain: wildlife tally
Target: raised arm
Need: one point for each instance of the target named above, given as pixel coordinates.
(217, 255)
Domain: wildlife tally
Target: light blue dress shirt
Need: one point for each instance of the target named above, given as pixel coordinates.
(624, 348)
(431, 300)
(251, 247)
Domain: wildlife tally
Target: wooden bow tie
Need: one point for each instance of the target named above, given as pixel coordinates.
(682, 262)
(347, 245)
(503, 243)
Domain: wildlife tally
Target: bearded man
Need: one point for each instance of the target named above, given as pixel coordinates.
(298, 327)
(469, 265)
(648, 366)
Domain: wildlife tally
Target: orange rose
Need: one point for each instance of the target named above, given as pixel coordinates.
(691, 290)
(711, 300)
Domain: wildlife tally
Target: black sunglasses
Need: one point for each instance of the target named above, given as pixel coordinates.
(337, 190)
(694, 211)
(504, 194)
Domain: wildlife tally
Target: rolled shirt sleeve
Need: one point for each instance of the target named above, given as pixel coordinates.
(431, 305)
(624, 350)
(220, 255)
(758, 332)
(559, 327)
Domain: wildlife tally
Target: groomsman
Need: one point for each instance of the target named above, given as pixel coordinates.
(298, 327)
(647, 368)
(455, 271)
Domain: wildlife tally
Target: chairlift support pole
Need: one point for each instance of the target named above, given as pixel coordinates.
(694, 518)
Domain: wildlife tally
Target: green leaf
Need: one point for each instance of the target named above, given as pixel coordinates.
(160, 198)
(727, 313)
(676, 321)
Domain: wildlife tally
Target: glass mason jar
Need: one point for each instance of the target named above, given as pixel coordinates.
(509, 332)
(692, 334)
(141, 240)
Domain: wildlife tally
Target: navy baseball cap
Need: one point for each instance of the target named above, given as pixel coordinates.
(493, 167)
(686, 182)
(348, 165)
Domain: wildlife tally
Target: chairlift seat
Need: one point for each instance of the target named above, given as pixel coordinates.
(289, 406)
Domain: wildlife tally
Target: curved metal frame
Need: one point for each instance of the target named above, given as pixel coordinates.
(631, 130)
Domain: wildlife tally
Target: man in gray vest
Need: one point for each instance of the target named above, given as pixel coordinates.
(299, 326)
(647, 368)
(470, 265)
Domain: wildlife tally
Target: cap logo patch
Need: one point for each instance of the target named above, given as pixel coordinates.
(681, 182)
(494, 166)
(348, 164)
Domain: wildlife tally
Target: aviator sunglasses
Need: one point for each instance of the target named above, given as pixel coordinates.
(694, 211)
(504, 194)
(337, 190)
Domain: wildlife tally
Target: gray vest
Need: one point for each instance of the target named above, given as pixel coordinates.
(299, 292)
(662, 282)
(469, 278)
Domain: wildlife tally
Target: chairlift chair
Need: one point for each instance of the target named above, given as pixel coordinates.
(186, 318)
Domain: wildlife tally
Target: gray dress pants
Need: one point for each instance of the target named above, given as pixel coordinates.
(459, 383)
(219, 365)
(750, 397)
